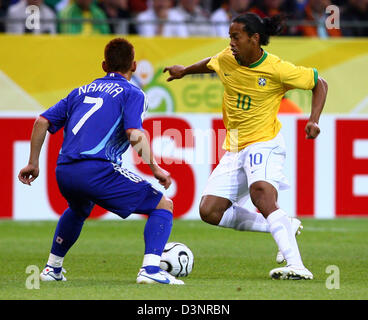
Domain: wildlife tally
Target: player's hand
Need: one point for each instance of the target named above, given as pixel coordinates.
(163, 177)
(176, 72)
(312, 130)
(28, 174)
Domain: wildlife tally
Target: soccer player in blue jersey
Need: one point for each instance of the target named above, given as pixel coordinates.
(100, 121)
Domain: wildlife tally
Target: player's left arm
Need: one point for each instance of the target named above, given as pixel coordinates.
(299, 77)
(319, 94)
(133, 112)
(141, 145)
(30, 172)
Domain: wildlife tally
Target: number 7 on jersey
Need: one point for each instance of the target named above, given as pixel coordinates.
(97, 105)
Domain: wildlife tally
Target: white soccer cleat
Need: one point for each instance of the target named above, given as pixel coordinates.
(48, 274)
(297, 226)
(162, 277)
(291, 273)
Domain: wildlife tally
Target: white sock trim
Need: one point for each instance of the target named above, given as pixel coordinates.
(227, 218)
(55, 261)
(276, 215)
(281, 230)
(151, 260)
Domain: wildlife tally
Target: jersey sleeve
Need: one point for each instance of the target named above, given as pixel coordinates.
(214, 63)
(296, 77)
(57, 115)
(134, 109)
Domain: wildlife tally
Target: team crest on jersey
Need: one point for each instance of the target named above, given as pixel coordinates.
(262, 81)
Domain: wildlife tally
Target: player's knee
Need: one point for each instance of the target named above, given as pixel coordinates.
(210, 213)
(81, 211)
(256, 191)
(263, 196)
(166, 204)
(204, 212)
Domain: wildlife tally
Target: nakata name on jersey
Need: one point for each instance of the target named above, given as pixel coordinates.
(112, 88)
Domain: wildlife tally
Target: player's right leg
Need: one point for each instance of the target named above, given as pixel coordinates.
(212, 208)
(125, 193)
(156, 234)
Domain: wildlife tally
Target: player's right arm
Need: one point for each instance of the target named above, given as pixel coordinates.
(30, 172)
(179, 71)
(51, 120)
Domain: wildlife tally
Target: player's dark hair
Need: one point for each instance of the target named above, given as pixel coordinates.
(266, 27)
(119, 55)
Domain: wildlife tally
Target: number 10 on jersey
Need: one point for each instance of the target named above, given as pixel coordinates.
(243, 101)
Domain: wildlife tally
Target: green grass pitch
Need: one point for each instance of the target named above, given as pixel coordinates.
(229, 265)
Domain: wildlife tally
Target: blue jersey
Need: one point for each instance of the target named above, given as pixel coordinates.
(95, 117)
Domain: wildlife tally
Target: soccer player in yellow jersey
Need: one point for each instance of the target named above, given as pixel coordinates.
(255, 82)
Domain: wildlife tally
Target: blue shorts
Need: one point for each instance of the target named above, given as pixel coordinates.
(86, 183)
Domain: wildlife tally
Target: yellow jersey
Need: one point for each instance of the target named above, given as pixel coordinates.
(253, 94)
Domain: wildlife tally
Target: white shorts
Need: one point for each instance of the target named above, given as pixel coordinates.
(262, 161)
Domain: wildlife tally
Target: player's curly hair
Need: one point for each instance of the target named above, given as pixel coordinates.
(119, 55)
(266, 27)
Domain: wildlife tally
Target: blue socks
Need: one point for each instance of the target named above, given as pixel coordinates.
(67, 232)
(156, 233)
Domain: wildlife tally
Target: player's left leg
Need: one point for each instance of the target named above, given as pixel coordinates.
(263, 164)
(264, 197)
(70, 179)
(66, 234)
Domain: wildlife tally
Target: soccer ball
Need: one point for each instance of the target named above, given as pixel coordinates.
(177, 259)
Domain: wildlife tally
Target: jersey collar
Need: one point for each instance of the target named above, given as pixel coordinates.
(258, 62)
(114, 75)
